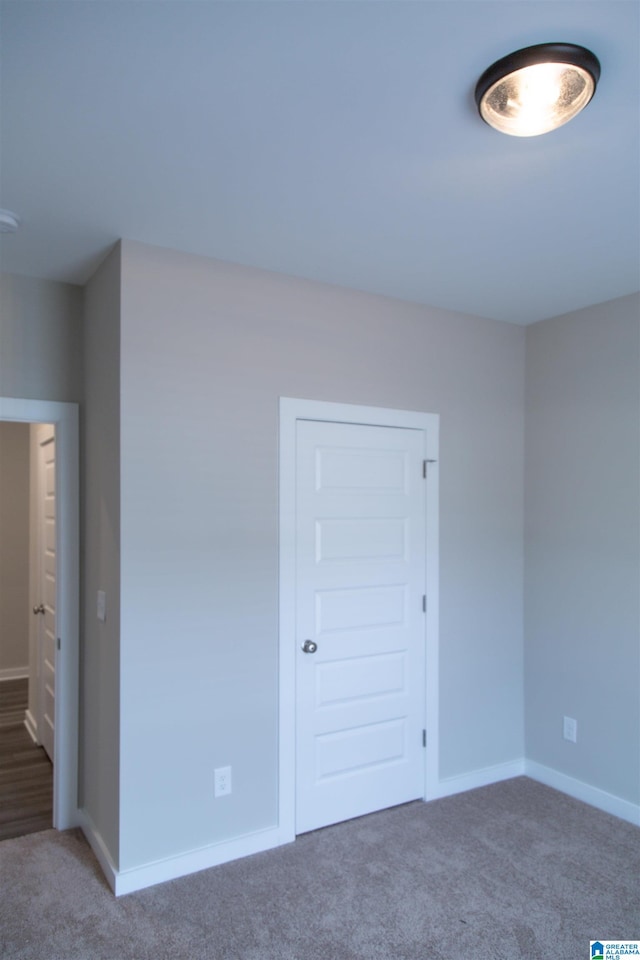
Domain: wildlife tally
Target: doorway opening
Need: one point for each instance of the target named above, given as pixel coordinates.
(27, 624)
(52, 714)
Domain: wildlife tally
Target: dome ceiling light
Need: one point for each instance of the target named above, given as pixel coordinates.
(537, 89)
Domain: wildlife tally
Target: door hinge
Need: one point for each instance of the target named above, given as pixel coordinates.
(58, 643)
(424, 467)
(424, 603)
(424, 738)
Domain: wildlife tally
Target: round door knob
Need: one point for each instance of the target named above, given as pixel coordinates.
(309, 646)
(39, 609)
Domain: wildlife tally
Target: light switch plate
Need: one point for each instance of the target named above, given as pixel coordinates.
(101, 606)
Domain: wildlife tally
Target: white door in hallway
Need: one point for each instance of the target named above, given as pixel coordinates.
(360, 580)
(47, 576)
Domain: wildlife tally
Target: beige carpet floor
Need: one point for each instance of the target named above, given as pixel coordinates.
(513, 870)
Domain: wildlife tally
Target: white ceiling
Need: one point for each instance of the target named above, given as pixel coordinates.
(337, 141)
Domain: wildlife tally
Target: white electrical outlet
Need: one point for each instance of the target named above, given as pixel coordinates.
(221, 781)
(570, 729)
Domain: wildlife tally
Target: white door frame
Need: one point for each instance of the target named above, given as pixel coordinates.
(292, 410)
(64, 416)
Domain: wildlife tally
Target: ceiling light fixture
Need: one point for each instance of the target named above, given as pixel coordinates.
(8, 222)
(537, 89)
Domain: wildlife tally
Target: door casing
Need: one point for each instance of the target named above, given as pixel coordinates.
(64, 417)
(291, 410)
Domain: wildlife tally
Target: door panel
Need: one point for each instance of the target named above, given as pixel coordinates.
(345, 680)
(360, 575)
(364, 538)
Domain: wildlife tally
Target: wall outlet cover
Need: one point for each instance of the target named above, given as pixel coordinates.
(570, 729)
(221, 781)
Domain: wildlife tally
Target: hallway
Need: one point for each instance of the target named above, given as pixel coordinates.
(26, 775)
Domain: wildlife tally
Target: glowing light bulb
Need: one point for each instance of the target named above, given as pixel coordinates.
(527, 99)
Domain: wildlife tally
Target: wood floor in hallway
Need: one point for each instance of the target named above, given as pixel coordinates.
(26, 774)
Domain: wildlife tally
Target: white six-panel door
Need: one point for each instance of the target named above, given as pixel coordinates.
(360, 580)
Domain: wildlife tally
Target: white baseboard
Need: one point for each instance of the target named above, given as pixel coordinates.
(32, 727)
(478, 778)
(594, 796)
(583, 791)
(14, 673)
(137, 878)
(146, 875)
(99, 847)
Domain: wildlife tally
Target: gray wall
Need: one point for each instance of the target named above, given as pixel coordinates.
(206, 350)
(14, 546)
(185, 360)
(40, 339)
(582, 610)
(100, 667)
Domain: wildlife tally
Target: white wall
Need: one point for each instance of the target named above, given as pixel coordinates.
(14, 549)
(582, 611)
(40, 339)
(100, 492)
(207, 348)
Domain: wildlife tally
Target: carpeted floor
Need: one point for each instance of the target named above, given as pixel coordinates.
(513, 870)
